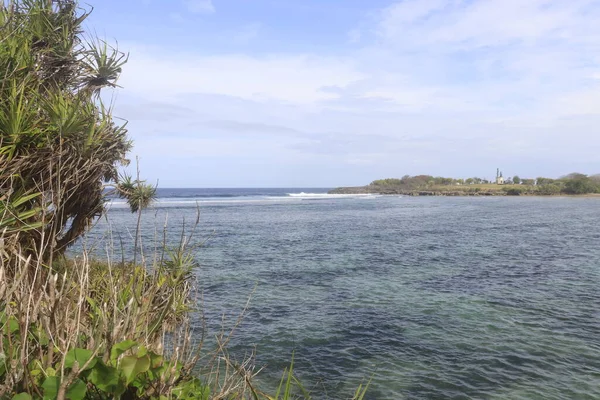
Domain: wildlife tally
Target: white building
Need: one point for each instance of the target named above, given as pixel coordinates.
(499, 177)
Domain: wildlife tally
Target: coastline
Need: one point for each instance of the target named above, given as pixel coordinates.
(455, 192)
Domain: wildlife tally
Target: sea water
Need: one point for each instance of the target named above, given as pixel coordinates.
(434, 298)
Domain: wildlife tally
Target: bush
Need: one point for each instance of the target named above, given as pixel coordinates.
(549, 189)
(513, 191)
(581, 185)
(59, 144)
(96, 330)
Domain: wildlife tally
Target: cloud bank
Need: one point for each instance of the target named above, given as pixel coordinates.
(446, 87)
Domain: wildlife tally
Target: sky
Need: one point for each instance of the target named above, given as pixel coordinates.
(326, 93)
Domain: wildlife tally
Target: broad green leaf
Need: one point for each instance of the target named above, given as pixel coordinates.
(50, 387)
(120, 348)
(81, 356)
(77, 390)
(156, 360)
(21, 396)
(104, 377)
(132, 366)
(142, 351)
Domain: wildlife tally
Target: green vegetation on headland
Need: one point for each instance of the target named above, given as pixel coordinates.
(75, 328)
(426, 185)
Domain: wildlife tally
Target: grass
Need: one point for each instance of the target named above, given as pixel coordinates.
(78, 328)
(97, 329)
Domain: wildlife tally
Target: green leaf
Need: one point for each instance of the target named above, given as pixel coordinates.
(142, 351)
(50, 387)
(132, 366)
(192, 389)
(41, 336)
(104, 377)
(24, 199)
(77, 390)
(12, 325)
(156, 360)
(120, 348)
(21, 396)
(81, 356)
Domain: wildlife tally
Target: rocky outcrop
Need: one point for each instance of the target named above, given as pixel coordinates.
(351, 190)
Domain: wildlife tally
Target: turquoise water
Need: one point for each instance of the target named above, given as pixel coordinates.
(445, 298)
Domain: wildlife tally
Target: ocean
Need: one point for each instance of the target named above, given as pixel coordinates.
(432, 297)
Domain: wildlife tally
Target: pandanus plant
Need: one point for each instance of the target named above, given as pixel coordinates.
(59, 144)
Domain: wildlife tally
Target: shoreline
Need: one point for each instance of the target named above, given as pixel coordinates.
(467, 192)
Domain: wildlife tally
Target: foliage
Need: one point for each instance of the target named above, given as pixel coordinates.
(549, 189)
(574, 183)
(580, 184)
(138, 193)
(544, 181)
(98, 330)
(76, 328)
(416, 182)
(513, 190)
(387, 182)
(87, 329)
(59, 144)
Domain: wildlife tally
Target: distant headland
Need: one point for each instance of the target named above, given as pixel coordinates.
(427, 185)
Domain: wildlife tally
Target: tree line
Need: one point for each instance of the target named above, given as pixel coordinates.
(574, 183)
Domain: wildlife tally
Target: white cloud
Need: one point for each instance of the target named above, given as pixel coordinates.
(493, 54)
(200, 6)
(485, 22)
(296, 79)
(517, 80)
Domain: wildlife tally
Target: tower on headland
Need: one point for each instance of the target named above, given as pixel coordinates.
(499, 177)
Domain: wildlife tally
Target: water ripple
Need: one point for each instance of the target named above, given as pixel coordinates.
(438, 298)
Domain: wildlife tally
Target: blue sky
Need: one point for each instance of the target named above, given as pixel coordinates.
(251, 93)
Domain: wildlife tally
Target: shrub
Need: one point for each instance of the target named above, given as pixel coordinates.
(95, 330)
(580, 185)
(59, 144)
(513, 191)
(549, 189)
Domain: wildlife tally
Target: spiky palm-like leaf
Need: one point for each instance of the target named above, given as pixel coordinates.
(56, 137)
(138, 194)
